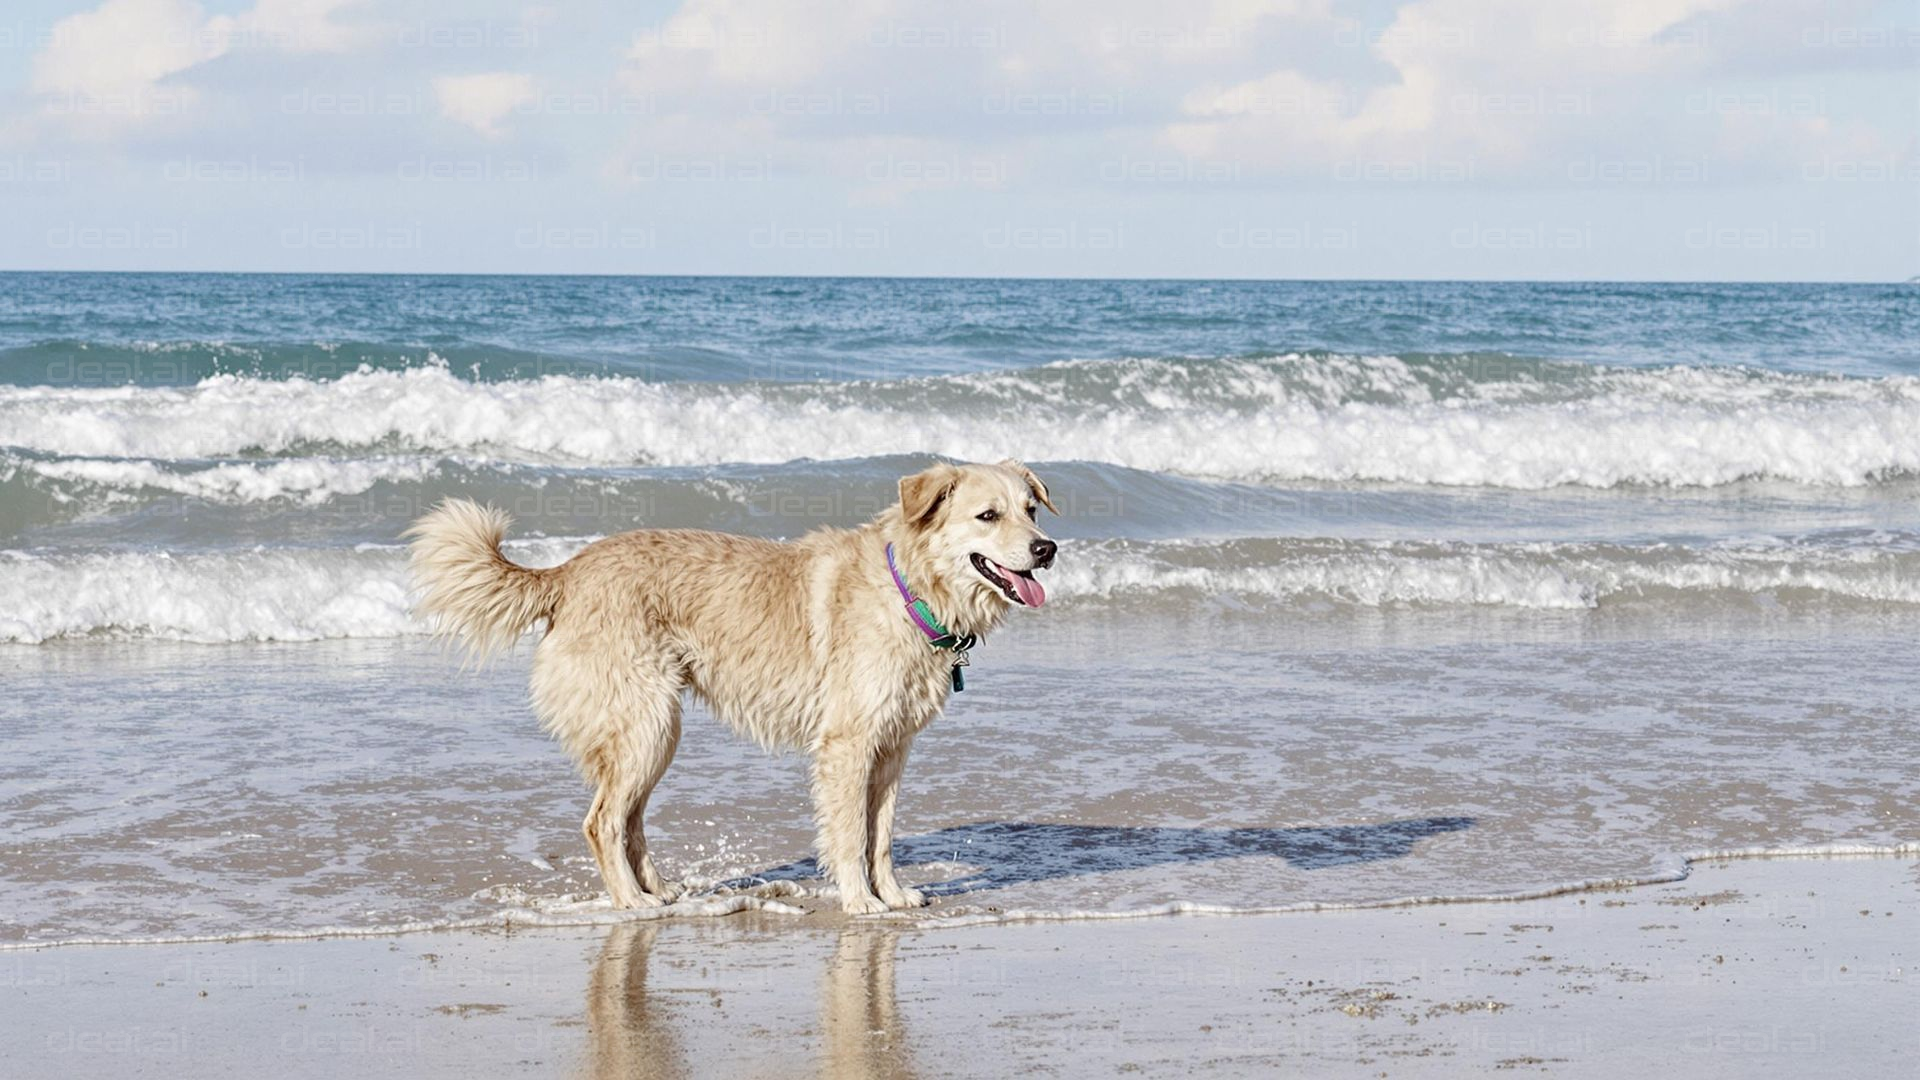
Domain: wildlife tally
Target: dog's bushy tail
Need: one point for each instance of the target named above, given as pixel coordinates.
(467, 588)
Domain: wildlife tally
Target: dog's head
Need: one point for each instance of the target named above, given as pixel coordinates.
(976, 530)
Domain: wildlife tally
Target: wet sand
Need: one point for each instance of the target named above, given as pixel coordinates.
(1750, 968)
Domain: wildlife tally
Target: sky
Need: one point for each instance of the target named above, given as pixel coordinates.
(1470, 139)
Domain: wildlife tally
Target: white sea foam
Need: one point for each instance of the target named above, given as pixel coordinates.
(267, 594)
(593, 913)
(1522, 575)
(289, 594)
(1668, 868)
(536, 912)
(311, 481)
(1319, 418)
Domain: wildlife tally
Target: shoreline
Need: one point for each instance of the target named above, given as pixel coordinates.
(781, 900)
(1748, 967)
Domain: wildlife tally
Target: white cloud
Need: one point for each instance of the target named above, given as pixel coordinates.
(482, 101)
(305, 26)
(125, 59)
(764, 42)
(114, 57)
(1513, 89)
(1496, 80)
(926, 94)
(1509, 89)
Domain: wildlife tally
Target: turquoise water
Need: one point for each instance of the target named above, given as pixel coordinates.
(174, 329)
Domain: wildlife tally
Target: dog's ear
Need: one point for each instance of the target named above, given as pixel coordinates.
(922, 493)
(1033, 482)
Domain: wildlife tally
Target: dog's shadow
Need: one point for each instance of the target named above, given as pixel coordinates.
(1018, 852)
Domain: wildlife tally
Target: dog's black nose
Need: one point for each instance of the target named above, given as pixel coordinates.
(1043, 553)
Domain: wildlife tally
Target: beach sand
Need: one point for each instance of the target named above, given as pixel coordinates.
(1750, 968)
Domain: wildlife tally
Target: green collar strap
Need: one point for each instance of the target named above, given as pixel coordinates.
(938, 636)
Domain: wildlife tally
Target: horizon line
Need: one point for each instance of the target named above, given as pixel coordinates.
(978, 277)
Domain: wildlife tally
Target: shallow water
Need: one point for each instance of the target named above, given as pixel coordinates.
(1095, 765)
(1368, 592)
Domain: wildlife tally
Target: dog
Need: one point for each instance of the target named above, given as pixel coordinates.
(845, 643)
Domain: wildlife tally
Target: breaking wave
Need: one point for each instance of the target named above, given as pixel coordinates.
(1490, 421)
(304, 594)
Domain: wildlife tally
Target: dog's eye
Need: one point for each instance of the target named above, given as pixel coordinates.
(1033, 512)
(989, 515)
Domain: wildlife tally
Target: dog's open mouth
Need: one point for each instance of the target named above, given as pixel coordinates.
(1018, 585)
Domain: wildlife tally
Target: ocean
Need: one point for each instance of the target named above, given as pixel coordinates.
(1368, 593)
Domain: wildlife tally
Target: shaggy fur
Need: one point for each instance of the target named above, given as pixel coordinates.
(803, 645)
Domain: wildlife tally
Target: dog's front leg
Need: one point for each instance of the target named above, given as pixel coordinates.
(842, 772)
(883, 790)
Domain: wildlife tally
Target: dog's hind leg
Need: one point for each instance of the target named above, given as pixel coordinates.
(653, 753)
(883, 789)
(621, 720)
(842, 772)
(645, 736)
(606, 842)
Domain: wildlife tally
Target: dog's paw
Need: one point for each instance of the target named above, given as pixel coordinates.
(669, 891)
(637, 899)
(902, 897)
(862, 905)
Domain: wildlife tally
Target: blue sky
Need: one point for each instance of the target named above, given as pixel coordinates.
(1640, 139)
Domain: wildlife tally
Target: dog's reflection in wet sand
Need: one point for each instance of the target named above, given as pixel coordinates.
(638, 1033)
(859, 1012)
(630, 1031)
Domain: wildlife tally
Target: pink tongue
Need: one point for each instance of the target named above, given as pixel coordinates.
(1031, 594)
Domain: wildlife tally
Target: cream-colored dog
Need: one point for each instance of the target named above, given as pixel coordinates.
(807, 644)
